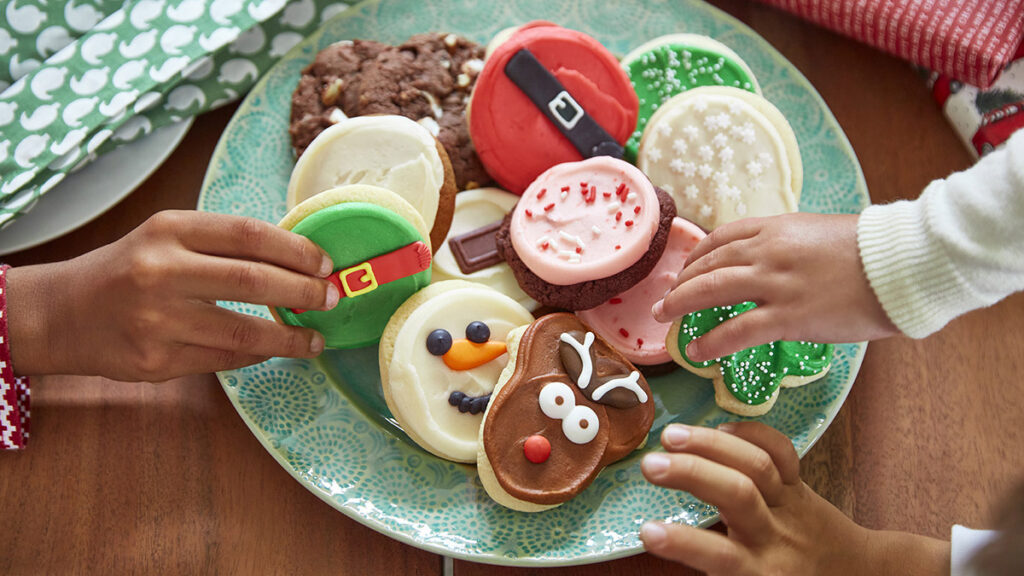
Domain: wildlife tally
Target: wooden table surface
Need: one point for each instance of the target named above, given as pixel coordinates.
(127, 478)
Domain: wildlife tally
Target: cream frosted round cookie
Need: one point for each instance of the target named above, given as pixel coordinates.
(723, 154)
(747, 382)
(626, 321)
(669, 65)
(389, 151)
(477, 210)
(440, 356)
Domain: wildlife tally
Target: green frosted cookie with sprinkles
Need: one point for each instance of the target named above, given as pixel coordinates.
(747, 382)
(668, 65)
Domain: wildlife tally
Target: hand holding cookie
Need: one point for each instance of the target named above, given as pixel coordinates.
(776, 523)
(802, 270)
(145, 307)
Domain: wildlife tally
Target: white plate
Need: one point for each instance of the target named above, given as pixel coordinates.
(93, 190)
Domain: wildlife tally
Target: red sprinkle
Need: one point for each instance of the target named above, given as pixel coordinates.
(607, 194)
(584, 185)
(565, 188)
(537, 449)
(579, 250)
(624, 333)
(622, 190)
(640, 342)
(549, 207)
(529, 213)
(636, 210)
(615, 301)
(542, 192)
(545, 245)
(618, 216)
(629, 223)
(618, 247)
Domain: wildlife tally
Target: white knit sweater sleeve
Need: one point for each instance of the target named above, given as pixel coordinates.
(958, 247)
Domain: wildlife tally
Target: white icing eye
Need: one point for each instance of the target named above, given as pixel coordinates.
(557, 400)
(581, 425)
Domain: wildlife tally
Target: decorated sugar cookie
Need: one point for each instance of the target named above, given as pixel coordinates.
(440, 357)
(478, 213)
(566, 405)
(585, 231)
(672, 64)
(625, 320)
(548, 95)
(391, 152)
(381, 253)
(747, 382)
(723, 154)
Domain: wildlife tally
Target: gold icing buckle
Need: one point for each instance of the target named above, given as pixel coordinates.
(367, 277)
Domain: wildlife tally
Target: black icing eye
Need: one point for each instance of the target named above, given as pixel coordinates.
(478, 332)
(438, 342)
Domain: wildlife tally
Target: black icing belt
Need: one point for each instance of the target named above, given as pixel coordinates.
(555, 102)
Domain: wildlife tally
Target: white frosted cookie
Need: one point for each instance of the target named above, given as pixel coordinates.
(723, 154)
(389, 151)
(440, 356)
(474, 209)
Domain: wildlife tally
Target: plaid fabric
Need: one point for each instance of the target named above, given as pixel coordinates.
(970, 40)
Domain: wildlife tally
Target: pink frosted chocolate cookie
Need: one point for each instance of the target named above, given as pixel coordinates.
(585, 231)
(625, 320)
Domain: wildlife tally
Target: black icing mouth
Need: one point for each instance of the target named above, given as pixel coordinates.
(466, 403)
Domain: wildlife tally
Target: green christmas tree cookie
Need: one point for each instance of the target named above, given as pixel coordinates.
(747, 382)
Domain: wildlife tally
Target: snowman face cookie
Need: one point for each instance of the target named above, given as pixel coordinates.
(440, 357)
(567, 405)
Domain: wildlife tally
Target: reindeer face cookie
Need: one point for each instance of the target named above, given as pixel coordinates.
(566, 406)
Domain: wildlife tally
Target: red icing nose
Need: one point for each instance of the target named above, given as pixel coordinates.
(537, 449)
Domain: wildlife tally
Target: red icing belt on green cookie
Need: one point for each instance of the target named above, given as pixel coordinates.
(514, 137)
(380, 260)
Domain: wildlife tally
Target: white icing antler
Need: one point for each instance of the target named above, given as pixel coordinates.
(584, 351)
(627, 382)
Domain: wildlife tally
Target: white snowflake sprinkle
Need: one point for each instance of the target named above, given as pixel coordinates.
(705, 171)
(725, 154)
(754, 168)
(664, 129)
(677, 165)
(691, 132)
(679, 146)
(689, 169)
(692, 192)
(705, 211)
(720, 141)
(654, 154)
(706, 153)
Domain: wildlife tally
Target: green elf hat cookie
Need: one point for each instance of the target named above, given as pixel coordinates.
(381, 252)
(747, 382)
(668, 65)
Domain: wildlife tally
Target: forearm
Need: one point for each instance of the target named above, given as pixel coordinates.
(37, 335)
(907, 554)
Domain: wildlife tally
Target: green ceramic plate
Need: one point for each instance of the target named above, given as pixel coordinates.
(326, 422)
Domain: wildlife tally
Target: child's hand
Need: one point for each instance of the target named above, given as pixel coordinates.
(776, 523)
(144, 307)
(802, 270)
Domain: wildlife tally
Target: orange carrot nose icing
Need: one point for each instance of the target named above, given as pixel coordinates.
(466, 355)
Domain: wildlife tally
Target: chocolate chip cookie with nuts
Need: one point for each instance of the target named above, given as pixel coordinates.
(428, 79)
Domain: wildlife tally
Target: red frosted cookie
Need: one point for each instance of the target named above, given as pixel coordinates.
(549, 95)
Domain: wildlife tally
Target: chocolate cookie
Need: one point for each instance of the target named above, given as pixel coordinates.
(589, 293)
(427, 79)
